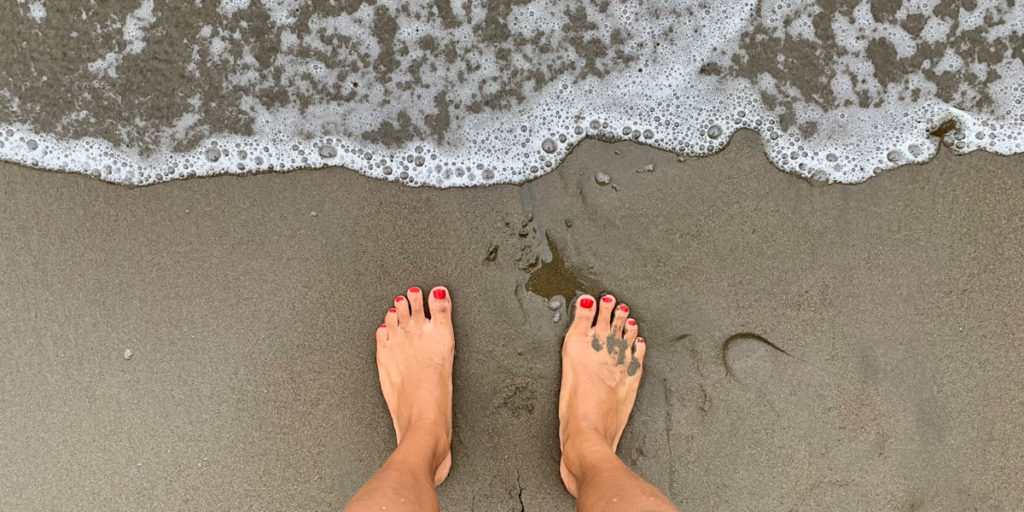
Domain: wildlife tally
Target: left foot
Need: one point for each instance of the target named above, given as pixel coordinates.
(414, 361)
(602, 361)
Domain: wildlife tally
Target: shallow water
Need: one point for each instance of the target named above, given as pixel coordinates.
(455, 94)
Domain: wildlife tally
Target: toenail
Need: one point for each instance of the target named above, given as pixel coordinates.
(392, 310)
(623, 308)
(631, 322)
(399, 298)
(586, 303)
(383, 326)
(640, 340)
(606, 299)
(414, 290)
(440, 294)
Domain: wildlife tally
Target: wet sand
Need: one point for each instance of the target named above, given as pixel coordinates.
(887, 375)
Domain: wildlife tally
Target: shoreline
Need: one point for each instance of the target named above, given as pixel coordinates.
(252, 385)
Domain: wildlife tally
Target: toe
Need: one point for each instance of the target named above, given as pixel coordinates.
(402, 307)
(391, 319)
(382, 333)
(583, 315)
(631, 330)
(604, 314)
(619, 320)
(415, 303)
(637, 364)
(440, 305)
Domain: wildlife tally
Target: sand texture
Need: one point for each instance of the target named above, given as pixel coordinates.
(885, 374)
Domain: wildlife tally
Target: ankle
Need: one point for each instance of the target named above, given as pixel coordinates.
(428, 443)
(585, 450)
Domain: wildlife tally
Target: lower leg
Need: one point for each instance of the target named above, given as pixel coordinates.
(406, 480)
(605, 484)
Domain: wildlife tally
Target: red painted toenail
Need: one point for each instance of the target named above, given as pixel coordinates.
(392, 310)
(399, 298)
(414, 290)
(383, 326)
(440, 294)
(640, 340)
(606, 299)
(586, 303)
(623, 308)
(631, 322)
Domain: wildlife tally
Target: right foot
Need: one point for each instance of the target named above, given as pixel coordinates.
(414, 361)
(601, 366)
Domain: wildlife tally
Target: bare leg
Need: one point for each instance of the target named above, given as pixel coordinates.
(602, 363)
(414, 360)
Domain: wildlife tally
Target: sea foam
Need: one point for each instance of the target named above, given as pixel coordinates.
(448, 94)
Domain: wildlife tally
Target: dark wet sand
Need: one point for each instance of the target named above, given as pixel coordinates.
(897, 304)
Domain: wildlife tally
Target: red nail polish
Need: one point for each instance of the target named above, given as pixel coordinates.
(392, 310)
(586, 303)
(631, 322)
(399, 298)
(640, 340)
(623, 308)
(414, 290)
(440, 294)
(606, 299)
(383, 326)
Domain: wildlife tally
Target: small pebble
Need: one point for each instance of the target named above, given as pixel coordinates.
(492, 253)
(556, 302)
(602, 179)
(128, 353)
(313, 213)
(557, 317)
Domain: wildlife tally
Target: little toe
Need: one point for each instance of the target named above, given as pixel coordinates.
(382, 333)
(637, 363)
(402, 308)
(583, 315)
(619, 320)
(415, 303)
(440, 305)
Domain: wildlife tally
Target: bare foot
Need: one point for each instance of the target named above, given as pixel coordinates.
(601, 367)
(414, 360)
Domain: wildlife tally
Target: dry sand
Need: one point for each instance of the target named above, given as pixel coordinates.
(897, 304)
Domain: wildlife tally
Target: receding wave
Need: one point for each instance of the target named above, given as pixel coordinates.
(447, 93)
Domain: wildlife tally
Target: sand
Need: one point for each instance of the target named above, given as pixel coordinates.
(887, 376)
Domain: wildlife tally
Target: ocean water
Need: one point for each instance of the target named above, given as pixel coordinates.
(460, 93)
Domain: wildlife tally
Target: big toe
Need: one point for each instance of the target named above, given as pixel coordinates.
(583, 315)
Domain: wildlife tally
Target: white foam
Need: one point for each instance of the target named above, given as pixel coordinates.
(37, 11)
(503, 131)
(228, 8)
